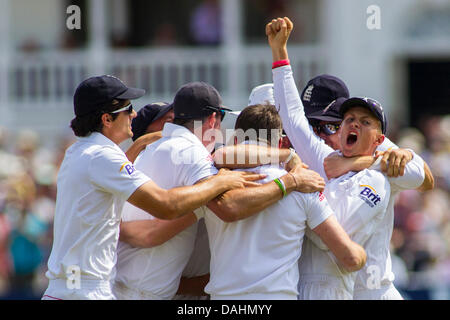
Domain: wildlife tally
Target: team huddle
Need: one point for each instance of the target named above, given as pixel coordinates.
(299, 207)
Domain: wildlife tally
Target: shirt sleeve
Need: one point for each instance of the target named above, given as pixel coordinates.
(311, 148)
(111, 171)
(414, 170)
(387, 145)
(318, 211)
(200, 165)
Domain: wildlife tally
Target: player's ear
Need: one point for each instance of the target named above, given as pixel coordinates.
(212, 120)
(106, 119)
(380, 139)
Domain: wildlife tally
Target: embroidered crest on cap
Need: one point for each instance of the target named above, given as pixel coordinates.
(308, 93)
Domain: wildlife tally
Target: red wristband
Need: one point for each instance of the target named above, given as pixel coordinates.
(280, 63)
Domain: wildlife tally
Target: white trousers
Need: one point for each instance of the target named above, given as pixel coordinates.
(58, 289)
(388, 292)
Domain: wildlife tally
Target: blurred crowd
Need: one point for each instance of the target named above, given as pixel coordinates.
(28, 173)
(28, 170)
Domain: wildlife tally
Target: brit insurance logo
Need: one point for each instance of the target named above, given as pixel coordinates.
(369, 195)
(128, 166)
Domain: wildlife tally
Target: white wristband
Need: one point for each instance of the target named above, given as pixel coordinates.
(291, 154)
(199, 213)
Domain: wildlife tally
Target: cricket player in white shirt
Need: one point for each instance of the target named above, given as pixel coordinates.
(376, 278)
(95, 180)
(154, 273)
(256, 258)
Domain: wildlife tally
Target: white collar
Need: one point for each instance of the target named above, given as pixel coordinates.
(172, 130)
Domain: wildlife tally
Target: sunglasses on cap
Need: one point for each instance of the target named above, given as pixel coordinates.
(222, 111)
(128, 108)
(328, 128)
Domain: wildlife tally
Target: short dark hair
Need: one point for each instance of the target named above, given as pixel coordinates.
(85, 125)
(260, 117)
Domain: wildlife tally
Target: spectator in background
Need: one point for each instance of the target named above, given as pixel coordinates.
(165, 35)
(206, 23)
(422, 226)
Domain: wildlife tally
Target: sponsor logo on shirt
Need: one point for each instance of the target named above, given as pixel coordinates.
(321, 196)
(128, 166)
(369, 195)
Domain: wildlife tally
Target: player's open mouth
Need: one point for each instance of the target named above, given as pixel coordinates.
(352, 138)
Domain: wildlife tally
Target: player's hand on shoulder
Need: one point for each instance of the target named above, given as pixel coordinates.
(393, 162)
(307, 181)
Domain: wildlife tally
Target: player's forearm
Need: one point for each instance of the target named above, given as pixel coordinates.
(152, 233)
(279, 52)
(173, 203)
(184, 199)
(350, 255)
(239, 204)
(336, 165)
(311, 148)
(140, 144)
(248, 156)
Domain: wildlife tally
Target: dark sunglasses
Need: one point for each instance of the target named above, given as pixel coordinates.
(328, 128)
(128, 108)
(222, 111)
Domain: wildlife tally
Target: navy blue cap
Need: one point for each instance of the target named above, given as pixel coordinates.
(330, 113)
(93, 93)
(196, 100)
(146, 115)
(320, 91)
(369, 103)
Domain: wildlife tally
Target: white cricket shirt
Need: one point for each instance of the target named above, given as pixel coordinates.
(359, 201)
(259, 254)
(94, 181)
(177, 159)
(313, 150)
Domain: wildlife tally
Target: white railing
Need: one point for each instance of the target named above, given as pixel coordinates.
(46, 81)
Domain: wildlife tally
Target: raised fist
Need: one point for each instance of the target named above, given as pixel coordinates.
(278, 31)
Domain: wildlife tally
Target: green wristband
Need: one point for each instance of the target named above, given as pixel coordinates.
(281, 186)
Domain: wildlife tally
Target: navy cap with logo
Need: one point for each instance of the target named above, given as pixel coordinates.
(196, 100)
(369, 103)
(330, 113)
(320, 91)
(93, 93)
(148, 114)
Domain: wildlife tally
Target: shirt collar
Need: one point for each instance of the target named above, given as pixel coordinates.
(98, 138)
(172, 130)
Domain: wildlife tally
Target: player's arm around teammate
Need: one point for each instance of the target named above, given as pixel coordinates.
(242, 203)
(140, 144)
(394, 162)
(173, 203)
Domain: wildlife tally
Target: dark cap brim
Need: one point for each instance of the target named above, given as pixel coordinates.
(319, 115)
(131, 93)
(324, 117)
(163, 111)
